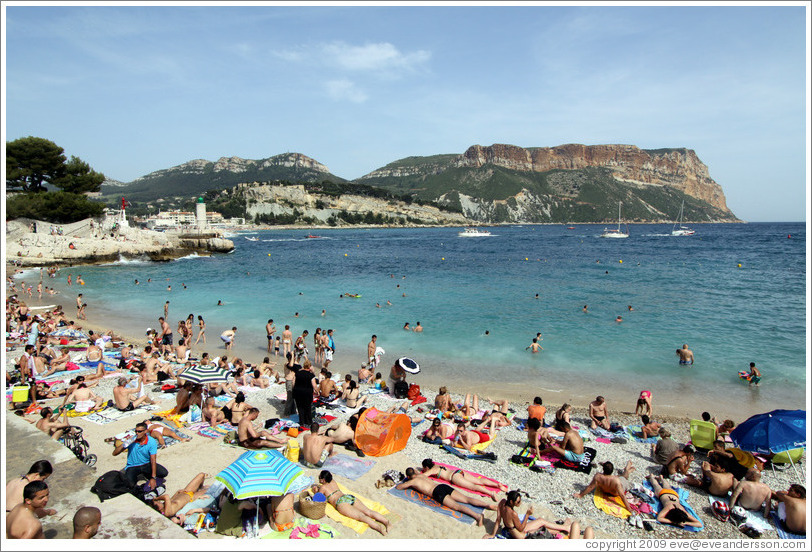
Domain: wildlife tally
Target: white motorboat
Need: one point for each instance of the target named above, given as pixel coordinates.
(474, 233)
(251, 239)
(679, 229)
(612, 233)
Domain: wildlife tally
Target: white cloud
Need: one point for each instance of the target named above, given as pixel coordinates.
(343, 89)
(373, 57)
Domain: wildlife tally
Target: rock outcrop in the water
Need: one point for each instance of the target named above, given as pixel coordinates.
(79, 244)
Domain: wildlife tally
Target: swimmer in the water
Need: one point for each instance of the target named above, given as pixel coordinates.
(686, 355)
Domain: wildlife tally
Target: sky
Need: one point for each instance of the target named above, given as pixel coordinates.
(138, 88)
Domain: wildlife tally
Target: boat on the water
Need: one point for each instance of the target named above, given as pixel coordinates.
(251, 239)
(312, 236)
(612, 233)
(679, 229)
(474, 233)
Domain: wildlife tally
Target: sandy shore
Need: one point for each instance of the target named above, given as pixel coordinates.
(549, 494)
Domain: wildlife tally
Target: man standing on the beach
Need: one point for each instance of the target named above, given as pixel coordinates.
(165, 336)
(329, 347)
(371, 347)
(270, 329)
(598, 413)
(287, 339)
(228, 337)
(686, 355)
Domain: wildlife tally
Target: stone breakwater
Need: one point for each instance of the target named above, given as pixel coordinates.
(81, 243)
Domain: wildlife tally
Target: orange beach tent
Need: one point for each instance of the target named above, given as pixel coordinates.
(382, 433)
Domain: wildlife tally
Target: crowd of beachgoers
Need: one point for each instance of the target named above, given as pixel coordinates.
(484, 466)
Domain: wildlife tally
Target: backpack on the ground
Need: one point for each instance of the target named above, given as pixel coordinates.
(111, 485)
(414, 391)
(401, 390)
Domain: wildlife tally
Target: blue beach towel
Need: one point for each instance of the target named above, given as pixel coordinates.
(654, 502)
(418, 498)
(633, 431)
(347, 466)
(462, 453)
(782, 532)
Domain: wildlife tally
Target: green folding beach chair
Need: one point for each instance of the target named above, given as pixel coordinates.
(792, 457)
(703, 434)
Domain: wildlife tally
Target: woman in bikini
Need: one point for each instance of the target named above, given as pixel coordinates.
(350, 395)
(671, 511)
(280, 510)
(202, 330)
(519, 528)
(348, 505)
(236, 408)
(159, 431)
(169, 506)
(459, 478)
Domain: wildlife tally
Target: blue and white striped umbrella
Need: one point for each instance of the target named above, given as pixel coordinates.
(259, 473)
(204, 374)
(73, 334)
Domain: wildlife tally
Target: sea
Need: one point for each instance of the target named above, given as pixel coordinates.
(735, 293)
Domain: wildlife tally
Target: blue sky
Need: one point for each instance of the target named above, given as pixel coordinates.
(136, 89)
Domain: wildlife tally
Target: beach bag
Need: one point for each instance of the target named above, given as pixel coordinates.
(310, 508)
(414, 391)
(230, 438)
(193, 415)
(110, 485)
(401, 390)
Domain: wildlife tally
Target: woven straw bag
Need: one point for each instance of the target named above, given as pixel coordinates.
(310, 509)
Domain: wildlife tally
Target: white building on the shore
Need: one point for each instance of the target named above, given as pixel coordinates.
(180, 219)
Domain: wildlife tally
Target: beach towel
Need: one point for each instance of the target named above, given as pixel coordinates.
(584, 466)
(427, 502)
(462, 453)
(525, 457)
(347, 466)
(633, 431)
(755, 520)
(305, 530)
(612, 505)
(358, 526)
(654, 502)
(169, 441)
(481, 479)
(216, 432)
(781, 530)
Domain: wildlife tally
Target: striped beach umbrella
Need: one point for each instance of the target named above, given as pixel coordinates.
(204, 374)
(67, 332)
(259, 473)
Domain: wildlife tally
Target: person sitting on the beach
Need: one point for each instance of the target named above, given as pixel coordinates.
(536, 410)
(189, 394)
(171, 506)
(39, 471)
(159, 431)
(734, 460)
(571, 448)
(350, 395)
(236, 408)
(459, 478)
(379, 383)
(562, 415)
(212, 413)
(649, 428)
(22, 521)
(519, 528)
(327, 388)
(50, 425)
(123, 396)
(679, 462)
(439, 433)
(248, 437)
(348, 505)
(725, 428)
(791, 508)
(644, 402)
(142, 456)
(444, 494)
(715, 481)
(671, 511)
(468, 438)
(751, 494)
(86, 522)
(279, 510)
(46, 392)
(396, 374)
(316, 448)
(686, 355)
(85, 399)
(612, 485)
(662, 450)
(258, 379)
(599, 413)
(365, 375)
(443, 402)
(534, 436)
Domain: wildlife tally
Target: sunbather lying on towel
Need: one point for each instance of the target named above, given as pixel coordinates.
(459, 478)
(444, 494)
(519, 528)
(159, 431)
(468, 438)
(672, 512)
(348, 505)
(191, 493)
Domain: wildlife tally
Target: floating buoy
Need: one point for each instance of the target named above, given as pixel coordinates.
(442, 258)
(621, 261)
(345, 254)
(789, 236)
(269, 254)
(526, 259)
(740, 265)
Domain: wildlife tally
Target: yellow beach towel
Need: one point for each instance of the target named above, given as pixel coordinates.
(358, 526)
(610, 504)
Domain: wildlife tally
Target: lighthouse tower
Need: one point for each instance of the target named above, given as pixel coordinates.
(200, 214)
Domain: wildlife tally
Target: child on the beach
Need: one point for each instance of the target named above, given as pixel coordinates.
(380, 383)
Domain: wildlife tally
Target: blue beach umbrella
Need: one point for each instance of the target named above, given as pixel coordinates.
(771, 432)
(259, 473)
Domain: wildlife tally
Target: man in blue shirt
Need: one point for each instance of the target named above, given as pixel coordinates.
(141, 457)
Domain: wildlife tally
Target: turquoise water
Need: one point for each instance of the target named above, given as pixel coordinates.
(682, 289)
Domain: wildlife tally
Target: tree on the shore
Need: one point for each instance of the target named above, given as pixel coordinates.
(33, 162)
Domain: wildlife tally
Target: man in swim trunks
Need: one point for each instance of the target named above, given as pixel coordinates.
(250, 438)
(599, 413)
(123, 396)
(270, 329)
(715, 481)
(50, 424)
(212, 414)
(751, 494)
(316, 448)
(228, 337)
(612, 485)
(327, 388)
(85, 399)
(686, 355)
(445, 495)
(165, 336)
(679, 462)
(571, 448)
(791, 508)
